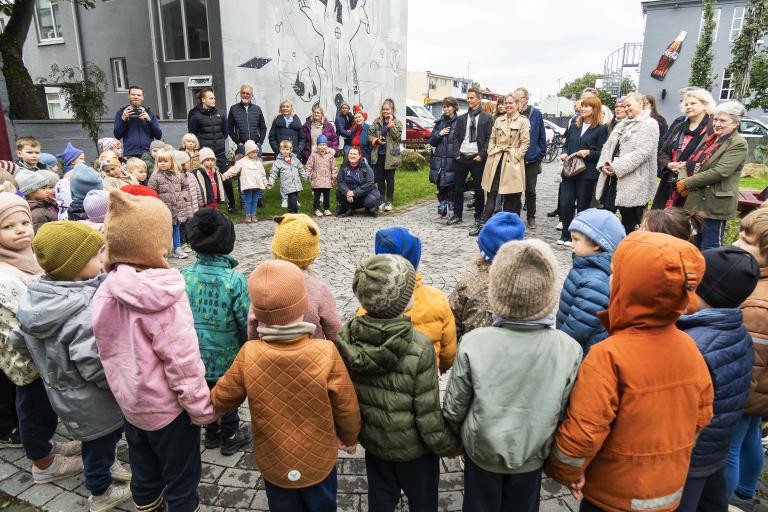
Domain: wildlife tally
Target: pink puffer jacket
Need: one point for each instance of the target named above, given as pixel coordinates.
(322, 169)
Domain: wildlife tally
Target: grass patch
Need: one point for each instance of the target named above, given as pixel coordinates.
(753, 183)
(410, 187)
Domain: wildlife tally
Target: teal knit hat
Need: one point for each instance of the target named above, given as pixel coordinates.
(384, 285)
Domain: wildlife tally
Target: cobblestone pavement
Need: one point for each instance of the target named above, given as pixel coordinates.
(234, 483)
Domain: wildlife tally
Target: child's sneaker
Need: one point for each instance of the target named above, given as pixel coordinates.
(212, 439)
(388, 207)
(318, 213)
(10, 440)
(67, 449)
(119, 472)
(231, 445)
(178, 253)
(328, 213)
(114, 495)
(284, 204)
(61, 467)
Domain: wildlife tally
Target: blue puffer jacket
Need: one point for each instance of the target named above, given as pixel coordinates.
(585, 292)
(727, 348)
(441, 164)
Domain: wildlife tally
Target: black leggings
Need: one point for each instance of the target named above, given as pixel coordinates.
(511, 202)
(385, 180)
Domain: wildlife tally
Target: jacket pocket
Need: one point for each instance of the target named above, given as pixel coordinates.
(722, 203)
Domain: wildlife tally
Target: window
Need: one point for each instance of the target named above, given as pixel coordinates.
(55, 104)
(119, 74)
(47, 20)
(432, 83)
(717, 24)
(737, 23)
(184, 26)
(464, 87)
(726, 90)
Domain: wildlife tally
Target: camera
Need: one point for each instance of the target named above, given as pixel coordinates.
(136, 111)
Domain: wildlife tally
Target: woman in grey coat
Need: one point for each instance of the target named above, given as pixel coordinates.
(628, 163)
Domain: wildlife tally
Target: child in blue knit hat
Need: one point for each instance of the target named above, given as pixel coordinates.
(83, 180)
(469, 300)
(595, 235)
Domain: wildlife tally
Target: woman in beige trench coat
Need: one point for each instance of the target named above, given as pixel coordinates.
(504, 171)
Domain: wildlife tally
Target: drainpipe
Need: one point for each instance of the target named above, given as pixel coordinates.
(163, 115)
(78, 43)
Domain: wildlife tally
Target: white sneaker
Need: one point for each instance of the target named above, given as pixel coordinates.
(61, 467)
(560, 242)
(178, 253)
(568, 243)
(559, 226)
(381, 206)
(67, 449)
(114, 495)
(388, 207)
(120, 472)
(284, 204)
(327, 213)
(318, 213)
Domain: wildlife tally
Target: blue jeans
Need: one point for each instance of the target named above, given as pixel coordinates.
(252, 196)
(745, 458)
(176, 236)
(98, 457)
(712, 235)
(320, 497)
(37, 421)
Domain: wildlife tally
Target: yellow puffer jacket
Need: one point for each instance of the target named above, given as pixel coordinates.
(431, 315)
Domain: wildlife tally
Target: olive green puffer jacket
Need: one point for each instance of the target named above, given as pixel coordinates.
(394, 371)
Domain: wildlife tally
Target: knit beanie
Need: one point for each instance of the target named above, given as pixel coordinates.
(96, 204)
(251, 146)
(139, 190)
(51, 177)
(500, 229)
(156, 144)
(30, 181)
(206, 153)
(108, 158)
(523, 281)
(181, 157)
(322, 139)
(69, 155)
(297, 239)
(400, 241)
(63, 248)
(384, 285)
(138, 231)
(107, 144)
(278, 293)
(11, 167)
(48, 159)
(83, 180)
(602, 227)
(210, 232)
(730, 277)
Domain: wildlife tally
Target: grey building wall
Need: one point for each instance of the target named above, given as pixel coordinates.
(38, 56)
(664, 21)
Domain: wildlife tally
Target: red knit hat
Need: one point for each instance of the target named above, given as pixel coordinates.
(139, 190)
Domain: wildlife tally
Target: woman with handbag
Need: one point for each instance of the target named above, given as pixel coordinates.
(628, 164)
(583, 143)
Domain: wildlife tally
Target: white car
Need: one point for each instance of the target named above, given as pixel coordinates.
(551, 128)
(751, 127)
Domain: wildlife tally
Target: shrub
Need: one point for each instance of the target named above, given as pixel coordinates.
(761, 154)
(412, 160)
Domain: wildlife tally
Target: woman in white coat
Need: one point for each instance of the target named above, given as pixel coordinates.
(628, 163)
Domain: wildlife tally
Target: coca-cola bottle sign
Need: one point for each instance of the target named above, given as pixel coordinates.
(669, 57)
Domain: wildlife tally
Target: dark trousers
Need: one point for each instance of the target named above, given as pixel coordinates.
(575, 193)
(464, 168)
(712, 235)
(98, 457)
(532, 172)
(293, 202)
(587, 506)
(320, 497)
(9, 421)
(229, 423)
(385, 180)
(707, 494)
(419, 480)
(511, 202)
(494, 492)
(37, 421)
(369, 201)
(631, 217)
(168, 459)
(325, 194)
(183, 232)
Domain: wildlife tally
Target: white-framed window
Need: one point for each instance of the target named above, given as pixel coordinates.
(55, 104)
(737, 22)
(433, 83)
(47, 21)
(718, 11)
(119, 74)
(726, 88)
(184, 29)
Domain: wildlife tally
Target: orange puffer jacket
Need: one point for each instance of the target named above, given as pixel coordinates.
(644, 393)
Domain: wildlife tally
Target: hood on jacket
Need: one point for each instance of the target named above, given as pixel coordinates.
(150, 291)
(600, 260)
(55, 302)
(375, 346)
(653, 281)
(716, 318)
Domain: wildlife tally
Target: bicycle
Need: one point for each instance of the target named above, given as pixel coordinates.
(553, 147)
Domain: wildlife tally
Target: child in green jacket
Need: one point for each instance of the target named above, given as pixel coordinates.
(219, 300)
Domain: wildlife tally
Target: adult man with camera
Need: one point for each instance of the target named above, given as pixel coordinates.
(136, 125)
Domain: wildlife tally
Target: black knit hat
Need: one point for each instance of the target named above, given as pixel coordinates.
(210, 232)
(730, 278)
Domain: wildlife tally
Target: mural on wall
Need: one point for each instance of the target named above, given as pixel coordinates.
(323, 52)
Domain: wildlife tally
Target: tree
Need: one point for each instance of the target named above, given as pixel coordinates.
(744, 51)
(24, 100)
(573, 89)
(701, 66)
(606, 98)
(83, 92)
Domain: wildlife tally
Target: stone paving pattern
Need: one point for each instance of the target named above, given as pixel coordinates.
(234, 483)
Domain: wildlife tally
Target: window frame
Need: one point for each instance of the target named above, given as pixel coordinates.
(718, 14)
(184, 32)
(743, 11)
(125, 82)
(50, 90)
(53, 40)
(727, 76)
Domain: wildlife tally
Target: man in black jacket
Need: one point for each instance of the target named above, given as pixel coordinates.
(246, 120)
(470, 141)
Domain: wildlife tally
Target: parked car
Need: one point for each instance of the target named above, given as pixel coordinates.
(417, 129)
(751, 127)
(414, 109)
(551, 128)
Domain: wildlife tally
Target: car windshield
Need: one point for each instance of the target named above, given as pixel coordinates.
(422, 112)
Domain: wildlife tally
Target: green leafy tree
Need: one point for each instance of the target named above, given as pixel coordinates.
(748, 67)
(606, 98)
(24, 100)
(627, 86)
(83, 92)
(701, 66)
(573, 89)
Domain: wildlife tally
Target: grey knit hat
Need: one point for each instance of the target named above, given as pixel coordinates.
(523, 281)
(384, 285)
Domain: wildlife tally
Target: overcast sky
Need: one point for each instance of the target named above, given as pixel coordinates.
(530, 43)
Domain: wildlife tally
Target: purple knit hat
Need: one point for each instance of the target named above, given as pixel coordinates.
(96, 204)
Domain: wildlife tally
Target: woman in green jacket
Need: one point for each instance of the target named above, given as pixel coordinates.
(713, 188)
(385, 133)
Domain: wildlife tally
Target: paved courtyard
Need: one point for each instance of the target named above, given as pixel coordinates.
(234, 483)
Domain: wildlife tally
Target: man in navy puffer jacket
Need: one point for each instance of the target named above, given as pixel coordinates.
(586, 290)
(718, 330)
